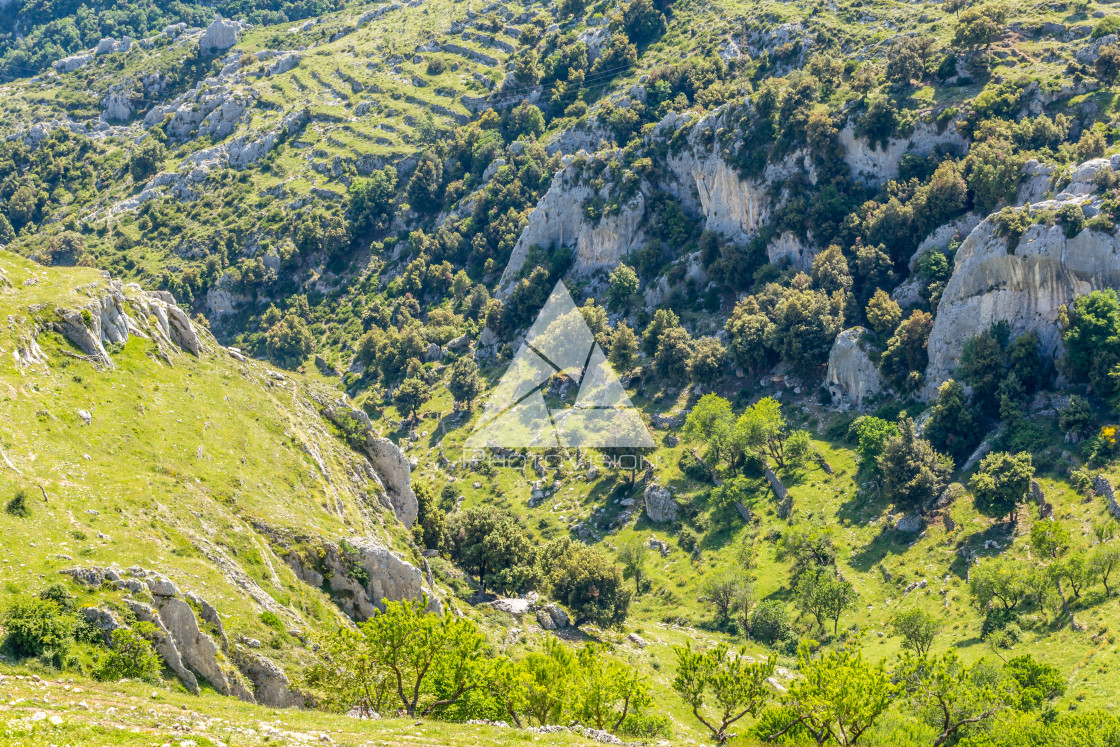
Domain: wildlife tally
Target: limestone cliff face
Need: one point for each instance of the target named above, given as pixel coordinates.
(1025, 286)
(874, 165)
(559, 220)
(698, 175)
(852, 376)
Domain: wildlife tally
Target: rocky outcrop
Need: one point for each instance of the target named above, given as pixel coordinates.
(117, 106)
(559, 220)
(360, 573)
(661, 507)
(909, 524)
(852, 376)
(874, 165)
(390, 462)
(218, 36)
(1102, 486)
(107, 320)
(789, 249)
(202, 110)
(72, 63)
(164, 643)
(551, 617)
(197, 649)
(1024, 285)
(104, 620)
(271, 686)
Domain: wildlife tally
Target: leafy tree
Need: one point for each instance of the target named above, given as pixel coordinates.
(1078, 419)
(825, 597)
(1104, 559)
(951, 696)
(762, 429)
(747, 332)
(883, 313)
(725, 496)
(726, 592)
(1091, 333)
(805, 324)
(371, 200)
(465, 383)
(411, 396)
(1073, 569)
(662, 320)
(607, 689)
(589, 585)
(1107, 65)
(810, 550)
(494, 547)
(131, 655)
(7, 234)
(979, 26)
(674, 351)
(623, 285)
(1037, 682)
(1001, 483)
(993, 170)
(838, 696)
(732, 684)
(871, 435)
(424, 188)
(624, 348)
(537, 687)
(982, 367)
(147, 160)
(288, 341)
(706, 364)
(641, 21)
(952, 424)
(430, 529)
(423, 662)
(1050, 539)
(633, 556)
(917, 628)
(712, 423)
(905, 358)
(1025, 362)
(999, 579)
(38, 627)
(830, 271)
(914, 475)
(769, 622)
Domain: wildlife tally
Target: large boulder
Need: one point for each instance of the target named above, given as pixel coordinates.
(271, 686)
(218, 36)
(661, 506)
(852, 376)
(1026, 284)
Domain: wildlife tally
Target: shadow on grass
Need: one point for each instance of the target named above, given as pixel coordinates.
(888, 542)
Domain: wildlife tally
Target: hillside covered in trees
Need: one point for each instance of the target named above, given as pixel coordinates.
(270, 267)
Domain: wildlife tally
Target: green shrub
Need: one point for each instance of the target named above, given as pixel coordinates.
(272, 620)
(645, 726)
(19, 506)
(39, 627)
(770, 622)
(131, 656)
(1105, 26)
